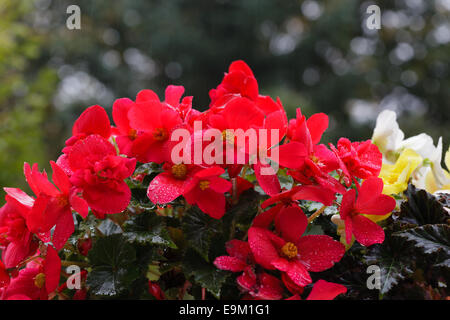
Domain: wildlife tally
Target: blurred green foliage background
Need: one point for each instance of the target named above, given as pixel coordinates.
(318, 55)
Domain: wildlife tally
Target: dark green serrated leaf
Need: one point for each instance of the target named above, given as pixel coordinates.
(430, 238)
(148, 228)
(113, 268)
(445, 264)
(108, 227)
(204, 274)
(421, 208)
(140, 200)
(198, 229)
(392, 259)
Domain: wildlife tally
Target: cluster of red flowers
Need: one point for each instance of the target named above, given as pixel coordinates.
(90, 174)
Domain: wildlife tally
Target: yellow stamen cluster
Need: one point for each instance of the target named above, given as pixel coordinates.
(204, 184)
(39, 280)
(160, 134)
(132, 134)
(289, 250)
(179, 171)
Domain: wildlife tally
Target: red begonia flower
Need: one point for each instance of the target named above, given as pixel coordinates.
(202, 187)
(154, 122)
(358, 159)
(309, 162)
(240, 257)
(238, 81)
(99, 174)
(171, 183)
(94, 120)
(370, 201)
(38, 279)
(53, 204)
(290, 252)
(259, 285)
(125, 134)
(134, 137)
(16, 241)
(206, 190)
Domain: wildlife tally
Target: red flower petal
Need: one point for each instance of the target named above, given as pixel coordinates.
(268, 182)
(366, 231)
(86, 152)
(121, 107)
(239, 249)
(324, 290)
(164, 188)
(319, 252)
(38, 181)
(247, 279)
(52, 269)
(209, 201)
(44, 214)
(173, 95)
(295, 270)
(291, 155)
(63, 230)
(270, 287)
(94, 120)
(264, 219)
(317, 124)
(291, 222)
(315, 193)
(229, 263)
(262, 247)
(17, 251)
(78, 204)
(347, 203)
(371, 201)
(146, 116)
(145, 95)
(60, 178)
(107, 200)
(348, 230)
(242, 113)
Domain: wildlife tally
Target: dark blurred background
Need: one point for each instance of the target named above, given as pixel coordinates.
(314, 54)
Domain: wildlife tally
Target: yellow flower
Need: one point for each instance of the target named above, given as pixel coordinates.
(396, 176)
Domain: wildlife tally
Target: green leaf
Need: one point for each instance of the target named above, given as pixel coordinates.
(204, 274)
(113, 267)
(108, 227)
(199, 228)
(148, 228)
(421, 208)
(392, 259)
(430, 238)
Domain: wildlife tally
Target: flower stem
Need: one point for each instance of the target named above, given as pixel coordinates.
(234, 191)
(203, 293)
(316, 214)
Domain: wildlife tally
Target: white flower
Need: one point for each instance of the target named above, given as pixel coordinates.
(387, 134)
(422, 144)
